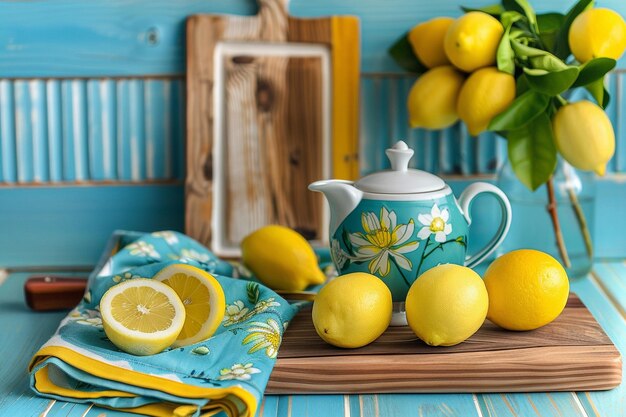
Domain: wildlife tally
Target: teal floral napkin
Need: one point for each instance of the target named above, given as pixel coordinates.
(227, 372)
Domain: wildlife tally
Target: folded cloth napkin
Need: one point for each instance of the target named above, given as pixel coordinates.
(227, 372)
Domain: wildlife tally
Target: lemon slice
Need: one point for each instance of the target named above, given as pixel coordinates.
(142, 316)
(202, 297)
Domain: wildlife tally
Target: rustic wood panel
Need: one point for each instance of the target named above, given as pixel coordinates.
(272, 143)
(572, 353)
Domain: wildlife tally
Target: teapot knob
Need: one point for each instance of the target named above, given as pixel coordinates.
(399, 155)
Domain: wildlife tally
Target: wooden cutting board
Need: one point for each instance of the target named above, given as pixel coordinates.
(272, 105)
(571, 354)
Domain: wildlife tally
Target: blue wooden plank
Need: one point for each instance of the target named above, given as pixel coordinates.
(616, 83)
(612, 318)
(109, 128)
(176, 136)
(7, 132)
(124, 163)
(556, 404)
(485, 153)
(39, 121)
(79, 130)
(69, 166)
(70, 225)
(423, 405)
(368, 123)
(95, 137)
(311, 405)
(156, 160)
(612, 277)
(467, 151)
(269, 406)
(137, 137)
(28, 332)
(77, 38)
(145, 37)
(55, 130)
(23, 133)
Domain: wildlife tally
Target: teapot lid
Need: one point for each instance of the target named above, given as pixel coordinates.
(400, 179)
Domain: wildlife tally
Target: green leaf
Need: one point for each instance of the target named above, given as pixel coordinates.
(522, 111)
(548, 62)
(594, 70)
(532, 152)
(561, 48)
(599, 92)
(524, 51)
(494, 9)
(551, 83)
(549, 26)
(505, 57)
(524, 7)
(252, 291)
(521, 85)
(402, 53)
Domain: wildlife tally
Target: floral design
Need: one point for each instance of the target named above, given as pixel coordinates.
(187, 255)
(169, 237)
(124, 277)
(86, 317)
(435, 223)
(238, 371)
(141, 248)
(383, 241)
(338, 254)
(265, 336)
(235, 313)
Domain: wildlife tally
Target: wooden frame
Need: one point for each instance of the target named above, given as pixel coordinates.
(306, 145)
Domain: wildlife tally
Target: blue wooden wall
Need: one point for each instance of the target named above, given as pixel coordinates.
(92, 116)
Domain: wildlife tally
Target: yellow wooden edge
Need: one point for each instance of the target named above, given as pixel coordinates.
(345, 55)
(130, 377)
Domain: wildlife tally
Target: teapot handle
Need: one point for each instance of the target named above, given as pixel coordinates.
(465, 201)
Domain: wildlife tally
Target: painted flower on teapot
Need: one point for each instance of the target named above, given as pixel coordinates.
(396, 224)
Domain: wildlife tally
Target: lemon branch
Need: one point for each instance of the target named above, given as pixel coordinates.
(556, 224)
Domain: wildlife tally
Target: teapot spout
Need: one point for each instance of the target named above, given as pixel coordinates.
(342, 196)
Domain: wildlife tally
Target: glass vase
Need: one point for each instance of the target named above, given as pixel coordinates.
(533, 222)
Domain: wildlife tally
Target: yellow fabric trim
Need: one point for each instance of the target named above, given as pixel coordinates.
(130, 377)
(45, 385)
(161, 410)
(346, 63)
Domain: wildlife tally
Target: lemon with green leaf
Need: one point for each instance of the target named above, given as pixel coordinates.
(472, 40)
(432, 99)
(597, 32)
(426, 40)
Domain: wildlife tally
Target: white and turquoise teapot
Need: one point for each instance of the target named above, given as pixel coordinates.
(397, 224)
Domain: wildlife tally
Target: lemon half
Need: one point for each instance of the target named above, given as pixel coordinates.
(142, 316)
(202, 297)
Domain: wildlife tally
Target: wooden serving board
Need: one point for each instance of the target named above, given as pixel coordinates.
(570, 354)
(272, 105)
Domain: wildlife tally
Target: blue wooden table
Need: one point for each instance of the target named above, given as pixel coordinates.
(603, 291)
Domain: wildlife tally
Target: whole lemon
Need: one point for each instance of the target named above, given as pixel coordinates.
(527, 289)
(597, 33)
(485, 94)
(584, 136)
(432, 99)
(472, 41)
(446, 305)
(426, 39)
(352, 310)
(281, 258)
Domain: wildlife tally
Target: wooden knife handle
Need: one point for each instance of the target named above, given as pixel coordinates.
(50, 292)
